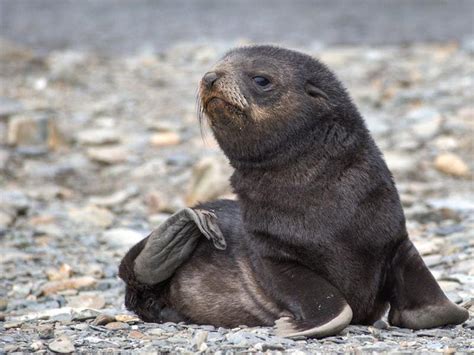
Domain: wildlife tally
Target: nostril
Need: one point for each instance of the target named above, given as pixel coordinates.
(210, 77)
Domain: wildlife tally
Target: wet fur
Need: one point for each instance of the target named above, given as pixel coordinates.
(314, 194)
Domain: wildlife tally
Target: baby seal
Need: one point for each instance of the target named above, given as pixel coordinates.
(317, 239)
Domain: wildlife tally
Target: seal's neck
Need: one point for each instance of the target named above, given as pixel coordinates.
(319, 143)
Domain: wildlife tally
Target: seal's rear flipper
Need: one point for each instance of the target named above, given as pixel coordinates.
(314, 308)
(417, 301)
(149, 264)
(172, 243)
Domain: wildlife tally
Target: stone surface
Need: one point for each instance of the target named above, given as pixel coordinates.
(67, 218)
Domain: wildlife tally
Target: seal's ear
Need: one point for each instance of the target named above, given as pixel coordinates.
(314, 91)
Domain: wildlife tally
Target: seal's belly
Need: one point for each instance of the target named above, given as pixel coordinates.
(213, 288)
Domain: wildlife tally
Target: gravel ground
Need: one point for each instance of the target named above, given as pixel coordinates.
(96, 151)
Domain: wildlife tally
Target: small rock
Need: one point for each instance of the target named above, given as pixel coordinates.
(122, 237)
(33, 131)
(108, 155)
(36, 345)
(77, 283)
(62, 345)
(447, 230)
(135, 334)
(115, 199)
(3, 304)
(84, 314)
(67, 65)
(92, 216)
(208, 181)
(98, 136)
(380, 324)
(200, 338)
(45, 331)
(451, 164)
(64, 272)
(127, 318)
(9, 107)
(14, 324)
(103, 319)
(165, 139)
(86, 301)
(425, 122)
(400, 162)
(117, 326)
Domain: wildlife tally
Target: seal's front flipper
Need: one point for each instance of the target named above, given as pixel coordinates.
(417, 301)
(171, 244)
(314, 307)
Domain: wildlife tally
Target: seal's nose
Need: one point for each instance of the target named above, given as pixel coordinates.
(209, 78)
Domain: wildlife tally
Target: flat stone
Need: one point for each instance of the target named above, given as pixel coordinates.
(92, 216)
(380, 324)
(98, 136)
(117, 326)
(114, 199)
(127, 318)
(84, 314)
(61, 345)
(165, 139)
(76, 283)
(103, 319)
(108, 155)
(400, 162)
(9, 107)
(14, 324)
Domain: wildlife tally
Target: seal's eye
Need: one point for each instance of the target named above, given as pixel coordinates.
(261, 81)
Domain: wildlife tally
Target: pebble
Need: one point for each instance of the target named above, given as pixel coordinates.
(61, 345)
(92, 216)
(117, 326)
(9, 107)
(451, 164)
(381, 324)
(98, 136)
(208, 181)
(33, 131)
(127, 318)
(165, 139)
(108, 155)
(103, 319)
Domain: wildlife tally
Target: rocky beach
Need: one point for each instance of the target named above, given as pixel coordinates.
(97, 150)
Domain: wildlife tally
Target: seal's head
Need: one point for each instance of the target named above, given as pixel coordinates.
(262, 99)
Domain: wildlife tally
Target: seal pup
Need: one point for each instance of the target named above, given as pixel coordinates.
(317, 238)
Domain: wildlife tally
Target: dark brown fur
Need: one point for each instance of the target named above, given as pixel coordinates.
(318, 211)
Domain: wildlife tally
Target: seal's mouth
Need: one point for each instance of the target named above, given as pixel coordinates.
(218, 104)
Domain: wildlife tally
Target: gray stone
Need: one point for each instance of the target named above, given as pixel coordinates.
(62, 345)
(37, 131)
(9, 107)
